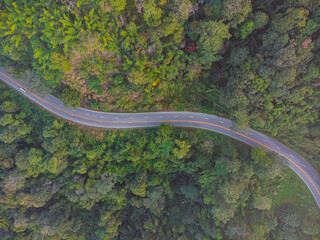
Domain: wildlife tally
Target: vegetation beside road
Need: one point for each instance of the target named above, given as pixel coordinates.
(255, 61)
(64, 182)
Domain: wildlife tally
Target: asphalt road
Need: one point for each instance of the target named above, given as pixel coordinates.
(180, 119)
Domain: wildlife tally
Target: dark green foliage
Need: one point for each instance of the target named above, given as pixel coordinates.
(95, 84)
(60, 182)
(160, 183)
(268, 83)
(260, 20)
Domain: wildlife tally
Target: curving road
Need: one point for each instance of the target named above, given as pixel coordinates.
(179, 119)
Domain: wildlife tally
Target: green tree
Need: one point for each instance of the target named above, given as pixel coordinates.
(14, 181)
(260, 157)
(245, 30)
(34, 83)
(118, 5)
(262, 202)
(183, 149)
(260, 20)
(152, 13)
(9, 107)
(238, 56)
(70, 97)
(235, 11)
(212, 35)
(180, 9)
(310, 227)
(139, 186)
(138, 78)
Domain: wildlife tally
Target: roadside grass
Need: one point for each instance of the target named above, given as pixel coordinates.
(295, 192)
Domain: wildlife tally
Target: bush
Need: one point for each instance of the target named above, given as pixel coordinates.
(71, 97)
(245, 30)
(260, 20)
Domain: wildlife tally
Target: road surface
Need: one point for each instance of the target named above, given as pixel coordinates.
(180, 119)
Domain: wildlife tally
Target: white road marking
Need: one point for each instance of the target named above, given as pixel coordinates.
(250, 133)
(146, 117)
(73, 110)
(60, 105)
(221, 121)
(22, 90)
(315, 177)
(116, 118)
(278, 147)
(101, 117)
(264, 140)
(176, 116)
(291, 155)
(206, 118)
(87, 114)
(160, 116)
(304, 165)
(131, 117)
(191, 116)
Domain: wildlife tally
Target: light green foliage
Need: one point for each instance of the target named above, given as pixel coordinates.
(9, 107)
(310, 27)
(235, 11)
(138, 78)
(65, 182)
(246, 29)
(118, 5)
(98, 48)
(181, 9)
(36, 161)
(231, 190)
(262, 202)
(183, 149)
(212, 35)
(71, 97)
(14, 127)
(224, 212)
(6, 120)
(152, 13)
(139, 185)
(259, 84)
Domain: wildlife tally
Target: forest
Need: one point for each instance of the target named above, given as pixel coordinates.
(69, 182)
(256, 62)
(253, 61)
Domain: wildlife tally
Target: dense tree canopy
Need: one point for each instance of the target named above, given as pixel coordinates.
(256, 62)
(64, 182)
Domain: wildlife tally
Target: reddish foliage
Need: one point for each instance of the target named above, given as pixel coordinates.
(191, 48)
(305, 43)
